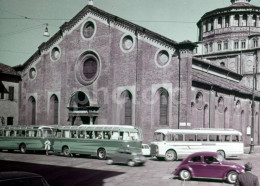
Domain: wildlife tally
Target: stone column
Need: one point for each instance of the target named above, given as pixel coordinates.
(231, 20)
(223, 22)
(240, 20)
(249, 20)
(215, 23)
(257, 21)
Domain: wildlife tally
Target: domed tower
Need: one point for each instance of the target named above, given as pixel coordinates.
(229, 37)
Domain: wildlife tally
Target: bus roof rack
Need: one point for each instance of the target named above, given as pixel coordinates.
(228, 129)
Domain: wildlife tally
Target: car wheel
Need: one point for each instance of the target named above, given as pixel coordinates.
(170, 155)
(66, 151)
(101, 154)
(110, 162)
(232, 177)
(23, 148)
(222, 153)
(185, 174)
(131, 163)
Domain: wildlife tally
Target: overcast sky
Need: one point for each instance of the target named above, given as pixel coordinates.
(22, 21)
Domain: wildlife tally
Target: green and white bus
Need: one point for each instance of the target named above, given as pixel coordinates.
(95, 140)
(25, 138)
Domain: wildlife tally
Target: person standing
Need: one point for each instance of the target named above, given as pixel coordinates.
(247, 178)
(47, 144)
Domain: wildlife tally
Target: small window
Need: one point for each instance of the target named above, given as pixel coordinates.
(226, 46)
(219, 46)
(10, 120)
(82, 134)
(174, 137)
(11, 93)
(243, 44)
(89, 135)
(236, 45)
(195, 159)
(66, 134)
(227, 138)
(255, 43)
(98, 135)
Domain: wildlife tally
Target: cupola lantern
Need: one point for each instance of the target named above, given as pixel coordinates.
(240, 1)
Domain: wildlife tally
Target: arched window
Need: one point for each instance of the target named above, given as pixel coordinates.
(127, 107)
(244, 20)
(220, 22)
(54, 109)
(31, 111)
(79, 99)
(226, 21)
(254, 21)
(236, 20)
(199, 100)
(242, 121)
(164, 107)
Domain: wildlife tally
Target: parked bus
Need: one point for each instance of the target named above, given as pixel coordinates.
(24, 138)
(96, 140)
(172, 144)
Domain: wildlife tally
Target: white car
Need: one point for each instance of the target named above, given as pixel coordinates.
(146, 150)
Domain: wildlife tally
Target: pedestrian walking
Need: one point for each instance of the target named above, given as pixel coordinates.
(247, 178)
(47, 144)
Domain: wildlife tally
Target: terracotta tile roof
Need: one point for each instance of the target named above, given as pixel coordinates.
(5, 69)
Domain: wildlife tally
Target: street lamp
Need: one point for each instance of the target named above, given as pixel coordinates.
(253, 116)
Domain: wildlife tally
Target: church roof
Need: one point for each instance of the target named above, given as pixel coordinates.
(222, 84)
(110, 19)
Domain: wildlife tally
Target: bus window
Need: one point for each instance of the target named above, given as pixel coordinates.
(30, 133)
(73, 134)
(98, 135)
(115, 135)
(82, 134)
(159, 137)
(202, 137)
(7, 133)
(174, 137)
(235, 138)
(1, 132)
(47, 133)
(134, 136)
(89, 135)
(21, 133)
(227, 138)
(107, 134)
(66, 134)
(190, 137)
(39, 133)
(214, 138)
(12, 133)
(58, 134)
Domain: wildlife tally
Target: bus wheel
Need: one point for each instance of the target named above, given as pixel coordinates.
(23, 148)
(170, 155)
(101, 154)
(222, 153)
(232, 177)
(66, 151)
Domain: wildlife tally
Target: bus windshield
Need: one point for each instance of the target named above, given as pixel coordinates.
(158, 136)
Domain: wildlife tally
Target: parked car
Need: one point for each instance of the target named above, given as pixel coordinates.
(14, 178)
(127, 155)
(209, 165)
(146, 151)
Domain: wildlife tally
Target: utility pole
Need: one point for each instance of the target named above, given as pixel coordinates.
(253, 116)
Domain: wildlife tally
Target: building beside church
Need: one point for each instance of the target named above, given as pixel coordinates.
(9, 95)
(102, 69)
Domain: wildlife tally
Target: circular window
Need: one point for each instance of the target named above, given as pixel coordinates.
(88, 29)
(127, 43)
(162, 58)
(32, 73)
(55, 53)
(87, 68)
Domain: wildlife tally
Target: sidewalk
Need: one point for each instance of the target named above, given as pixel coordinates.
(256, 148)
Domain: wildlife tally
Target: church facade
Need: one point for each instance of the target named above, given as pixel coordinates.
(101, 69)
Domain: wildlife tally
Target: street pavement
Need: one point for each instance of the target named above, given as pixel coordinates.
(81, 170)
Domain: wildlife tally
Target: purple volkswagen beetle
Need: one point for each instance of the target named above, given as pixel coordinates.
(209, 165)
